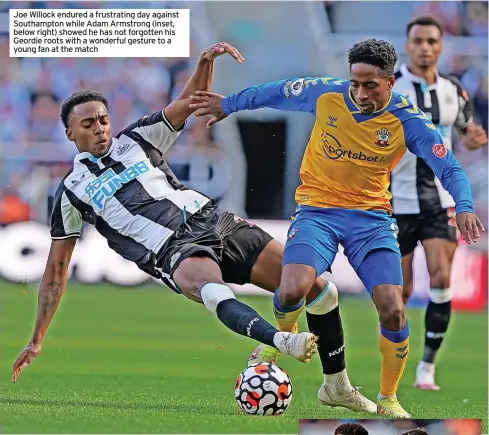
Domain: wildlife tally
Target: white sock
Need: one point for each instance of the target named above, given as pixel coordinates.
(423, 365)
(338, 382)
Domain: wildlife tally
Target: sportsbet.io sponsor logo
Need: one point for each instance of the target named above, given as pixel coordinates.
(334, 151)
(109, 183)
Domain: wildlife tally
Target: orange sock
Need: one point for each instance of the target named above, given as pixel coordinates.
(394, 347)
(287, 317)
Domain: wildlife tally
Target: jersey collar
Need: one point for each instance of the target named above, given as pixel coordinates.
(416, 79)
(93, 159)
(356, 112)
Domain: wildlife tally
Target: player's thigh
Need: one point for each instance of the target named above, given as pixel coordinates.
(381, 273)
(381, 266)
(310, 249)
(194, 272)
(439, 257)
(250, 254)
(311, 241)
(267, 271)
(190, 264)
(369, 231)
(407, 275)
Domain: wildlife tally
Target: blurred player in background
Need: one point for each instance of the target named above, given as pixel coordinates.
(424, 210)
(362, 130)
(123, 187)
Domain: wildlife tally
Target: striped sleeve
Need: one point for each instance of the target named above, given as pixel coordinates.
(155, 129)
(66, 220)
(466, 112)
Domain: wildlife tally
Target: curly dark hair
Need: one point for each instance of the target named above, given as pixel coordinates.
(424, 20)
(381, 54)
(350, 429)
(79, 97)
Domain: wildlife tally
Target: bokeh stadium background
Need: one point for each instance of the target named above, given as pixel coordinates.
(116, 326)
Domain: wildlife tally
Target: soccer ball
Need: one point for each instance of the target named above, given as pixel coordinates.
(263, 389)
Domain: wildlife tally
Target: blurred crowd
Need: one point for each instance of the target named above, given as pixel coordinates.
(35, 154)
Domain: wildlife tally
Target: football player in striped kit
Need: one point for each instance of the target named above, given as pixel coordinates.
(123, 187)
(424, 210)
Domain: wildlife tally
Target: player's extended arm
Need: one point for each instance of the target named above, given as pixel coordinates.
(51, 288)
(298, 95)
(426, 142)
(201, 80)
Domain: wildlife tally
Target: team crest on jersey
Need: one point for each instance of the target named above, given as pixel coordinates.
(292, 233)
(383, 136)
(439, 150)
(294, 88)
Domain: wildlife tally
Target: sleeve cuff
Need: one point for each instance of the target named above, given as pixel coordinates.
(464, 208)
(225, 106)
(67, 236)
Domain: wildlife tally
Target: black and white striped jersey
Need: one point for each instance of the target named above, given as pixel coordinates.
(414, 187)
(130, 195)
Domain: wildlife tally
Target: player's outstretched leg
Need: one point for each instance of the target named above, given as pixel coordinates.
(200, 279)
(439, 256)
(380, 272)
(324, 321)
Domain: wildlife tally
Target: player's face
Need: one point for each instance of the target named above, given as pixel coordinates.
(423, 46)
(89, 128)
(369, 87)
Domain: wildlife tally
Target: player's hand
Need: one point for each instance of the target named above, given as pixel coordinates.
(219, 49)
(470, 226)
(24, 359)
(208, 103)
(475, 138)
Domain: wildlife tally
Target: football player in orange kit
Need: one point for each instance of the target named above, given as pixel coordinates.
(362, 129)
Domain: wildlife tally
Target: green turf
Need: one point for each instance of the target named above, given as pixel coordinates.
(149, 361)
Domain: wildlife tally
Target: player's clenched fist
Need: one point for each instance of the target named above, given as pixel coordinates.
(24, 359)
(219, 49)
(470, 226)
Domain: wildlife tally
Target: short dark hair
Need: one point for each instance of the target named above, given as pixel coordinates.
(79, 97)
(424, 20)
(374, 52)
(350, 429)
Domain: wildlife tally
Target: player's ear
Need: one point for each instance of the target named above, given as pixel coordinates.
(69, 134)
(391, 80)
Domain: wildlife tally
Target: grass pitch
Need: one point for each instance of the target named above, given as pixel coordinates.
(146, 360)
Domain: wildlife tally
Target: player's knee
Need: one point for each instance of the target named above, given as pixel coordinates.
(325, 302)
(392, 318)
(294, 289)
(213, 294)
(440, 279)
(389, 303)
